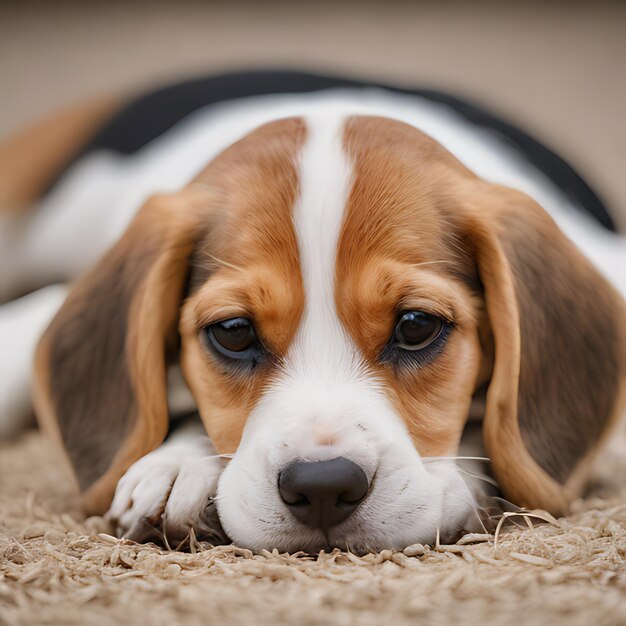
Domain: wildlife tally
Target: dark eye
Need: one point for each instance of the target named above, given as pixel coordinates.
(234, 338)
(416, 330)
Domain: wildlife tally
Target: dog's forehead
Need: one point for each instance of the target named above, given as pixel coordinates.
(398, 179)
(356, 189)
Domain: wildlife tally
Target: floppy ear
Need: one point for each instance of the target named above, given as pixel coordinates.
(101, 366)
(559, 337)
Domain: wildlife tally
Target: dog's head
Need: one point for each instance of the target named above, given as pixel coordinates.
(337, 291)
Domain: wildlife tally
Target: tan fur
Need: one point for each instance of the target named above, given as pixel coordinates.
(31, 159)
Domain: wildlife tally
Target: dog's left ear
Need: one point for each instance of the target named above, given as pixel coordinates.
(559, 335)
(101, 366)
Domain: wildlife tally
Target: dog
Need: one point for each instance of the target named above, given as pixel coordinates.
(280, 309)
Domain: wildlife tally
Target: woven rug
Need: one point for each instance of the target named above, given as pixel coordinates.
(58, 568)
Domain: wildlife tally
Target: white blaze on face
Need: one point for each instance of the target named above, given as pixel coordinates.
(322, 353)
(325, 404)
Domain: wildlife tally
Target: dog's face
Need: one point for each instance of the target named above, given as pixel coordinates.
(341, 288)
(332, 317)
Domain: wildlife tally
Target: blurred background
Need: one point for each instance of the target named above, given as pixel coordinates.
(556, 68)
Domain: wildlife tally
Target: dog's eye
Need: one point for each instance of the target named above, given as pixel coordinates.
(416, 330)
(233, 337)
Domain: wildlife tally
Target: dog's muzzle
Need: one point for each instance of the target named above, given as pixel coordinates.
(322, 494)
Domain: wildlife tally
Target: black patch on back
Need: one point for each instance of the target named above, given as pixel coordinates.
(152, 114)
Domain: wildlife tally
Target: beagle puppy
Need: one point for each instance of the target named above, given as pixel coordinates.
(277, 308)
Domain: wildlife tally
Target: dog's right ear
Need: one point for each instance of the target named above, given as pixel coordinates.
(559, 336)
(101, 367)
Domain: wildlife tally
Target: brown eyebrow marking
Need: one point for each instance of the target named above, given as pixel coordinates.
(247, 258)
(255, 183)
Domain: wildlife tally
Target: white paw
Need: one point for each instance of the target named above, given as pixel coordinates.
(168, 495)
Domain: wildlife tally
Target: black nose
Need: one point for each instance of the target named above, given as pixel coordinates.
(322, 494)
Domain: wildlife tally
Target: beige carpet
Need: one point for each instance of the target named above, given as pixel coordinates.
(57, 568)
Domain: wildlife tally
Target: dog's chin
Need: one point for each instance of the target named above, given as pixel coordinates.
(357, 545)
(299, 538)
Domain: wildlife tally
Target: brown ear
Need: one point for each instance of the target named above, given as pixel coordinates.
(100, 371)
(560, 343)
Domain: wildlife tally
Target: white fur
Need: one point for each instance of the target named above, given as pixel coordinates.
(21, 323)
(173, 483)
(326, 405)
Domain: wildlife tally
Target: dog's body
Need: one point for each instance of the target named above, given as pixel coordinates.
(326, 218)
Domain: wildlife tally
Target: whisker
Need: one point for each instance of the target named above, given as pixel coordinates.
(481, 514)
(228, 457)
(430, 263)
(476, 509)
(506, 505)
(219, 498)
(486, 479)
(477, 512)
(432, 459)
(222, 262)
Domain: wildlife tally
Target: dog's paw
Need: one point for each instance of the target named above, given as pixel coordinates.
(168, 496)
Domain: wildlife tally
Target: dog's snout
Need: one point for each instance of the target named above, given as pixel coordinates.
(323, 494)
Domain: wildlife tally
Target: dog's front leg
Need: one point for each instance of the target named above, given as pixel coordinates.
(168, 495)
